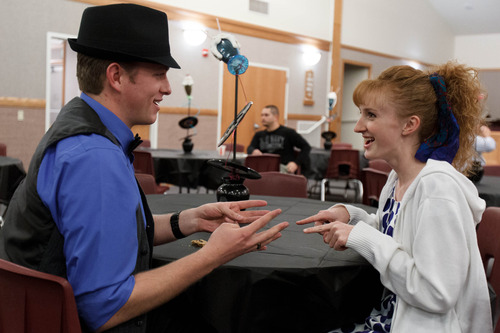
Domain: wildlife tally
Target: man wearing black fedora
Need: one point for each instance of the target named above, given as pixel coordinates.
(80, 214)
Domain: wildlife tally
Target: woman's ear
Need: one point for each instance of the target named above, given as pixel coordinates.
(411, 125)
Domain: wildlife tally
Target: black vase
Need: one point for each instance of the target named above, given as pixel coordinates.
(328, 145)
(232, 190)
(187, 145)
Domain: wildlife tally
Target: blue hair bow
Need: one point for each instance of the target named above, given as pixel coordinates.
(442, 146)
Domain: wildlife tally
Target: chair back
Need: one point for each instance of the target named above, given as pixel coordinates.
(33, 301)
(3, 149)
(373, 182)
(264, 162)
(488, 234)
(278, 184)
(343, 164)
(143, 165)
(491, 170)
(143, 162)
(380, 165)
(239, 147)
(145, 143)
(147, 182)
(341, 145)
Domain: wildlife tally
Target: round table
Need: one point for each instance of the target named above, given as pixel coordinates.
(298, 284)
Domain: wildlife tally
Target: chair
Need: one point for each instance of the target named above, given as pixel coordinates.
(373, 182)
(145, 143)
(488, 233)
(264, 162)
(343, 165)
(239, 147)
(143, 164)
(491, 170)
(380, 165)
(33, 301)
(3, 149)
(341, 145)
(148, 183)
(278, 184)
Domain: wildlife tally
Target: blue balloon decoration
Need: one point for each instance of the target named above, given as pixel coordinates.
(236, 63)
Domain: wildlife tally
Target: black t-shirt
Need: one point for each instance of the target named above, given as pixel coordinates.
(282, 141)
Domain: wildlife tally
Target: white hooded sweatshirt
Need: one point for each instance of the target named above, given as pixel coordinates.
(432, 262)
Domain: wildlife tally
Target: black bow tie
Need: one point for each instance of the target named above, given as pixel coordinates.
(134, 144)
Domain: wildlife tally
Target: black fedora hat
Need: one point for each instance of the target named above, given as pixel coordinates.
(124, 32)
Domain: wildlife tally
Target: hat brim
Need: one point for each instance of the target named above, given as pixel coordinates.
(101, 53)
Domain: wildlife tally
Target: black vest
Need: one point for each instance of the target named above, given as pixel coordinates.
(30, 236)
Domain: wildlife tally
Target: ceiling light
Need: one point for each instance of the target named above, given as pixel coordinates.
(194, 34)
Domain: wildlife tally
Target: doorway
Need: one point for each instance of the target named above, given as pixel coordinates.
(261, 84)
(61, 83)
(353, 74)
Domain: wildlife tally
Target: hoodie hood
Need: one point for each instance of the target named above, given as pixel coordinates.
(445, 170)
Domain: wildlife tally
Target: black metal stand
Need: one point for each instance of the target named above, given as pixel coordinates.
(235, 113)
(232, 188)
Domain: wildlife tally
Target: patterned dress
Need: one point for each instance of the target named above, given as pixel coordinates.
(380, 318)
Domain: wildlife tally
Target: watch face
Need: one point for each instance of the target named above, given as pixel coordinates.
(234, 123)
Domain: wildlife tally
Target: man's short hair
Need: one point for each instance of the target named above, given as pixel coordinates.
(274, 109)
(91, 72)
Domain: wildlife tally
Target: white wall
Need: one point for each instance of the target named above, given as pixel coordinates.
(284, 15)
(480, 51)
(405, 28)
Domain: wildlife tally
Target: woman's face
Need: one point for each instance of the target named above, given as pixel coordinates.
(381, 128)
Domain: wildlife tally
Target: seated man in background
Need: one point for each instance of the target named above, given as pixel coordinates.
(80, 213)
(281, 140)
(484, 143)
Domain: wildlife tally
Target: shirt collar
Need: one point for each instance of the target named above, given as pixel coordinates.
(115, 125)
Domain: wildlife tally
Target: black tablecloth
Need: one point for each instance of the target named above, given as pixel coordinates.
(298, 284)
(11, 174)
(489, 189)
(190, 169)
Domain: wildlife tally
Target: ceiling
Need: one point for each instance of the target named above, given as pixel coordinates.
(470, 17)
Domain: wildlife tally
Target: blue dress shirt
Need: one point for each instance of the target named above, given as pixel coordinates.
(88, 184)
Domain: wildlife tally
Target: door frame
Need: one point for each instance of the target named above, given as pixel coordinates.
(347, 91)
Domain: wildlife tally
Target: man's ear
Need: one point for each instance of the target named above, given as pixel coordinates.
(114, 74)
(411, 125)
